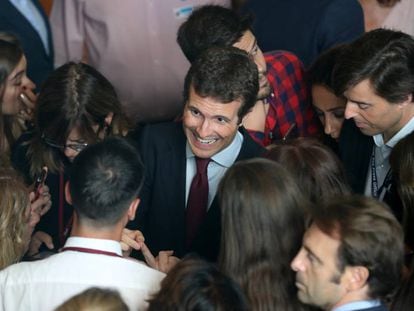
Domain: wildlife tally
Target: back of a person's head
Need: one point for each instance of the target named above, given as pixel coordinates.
(225, 74)
(14, 205)
(369, 235)
(210, 25)
(382, 56)
(105, 178)
(316, 169)
(95, 299)
(263, 221)
(197, 285)
(404, 299)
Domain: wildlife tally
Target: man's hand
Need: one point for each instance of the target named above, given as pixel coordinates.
(131, 239)
(39, 238)
(164, 262)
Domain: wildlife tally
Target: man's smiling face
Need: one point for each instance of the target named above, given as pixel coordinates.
(209, 125)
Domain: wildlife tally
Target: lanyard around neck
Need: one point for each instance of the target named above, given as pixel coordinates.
(90, 251)
(375, 191)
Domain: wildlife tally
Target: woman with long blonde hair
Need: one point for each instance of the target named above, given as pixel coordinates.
(16, 219)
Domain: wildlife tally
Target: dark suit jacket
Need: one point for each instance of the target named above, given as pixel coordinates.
(161, 213)
(39, 63)
(355, 150)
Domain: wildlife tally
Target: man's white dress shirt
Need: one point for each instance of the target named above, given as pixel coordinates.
(45, 284)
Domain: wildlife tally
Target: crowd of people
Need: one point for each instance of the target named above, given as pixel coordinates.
(277, 181)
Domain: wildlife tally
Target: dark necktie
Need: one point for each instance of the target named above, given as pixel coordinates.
(197, 200)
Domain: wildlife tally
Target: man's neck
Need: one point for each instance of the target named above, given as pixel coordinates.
(408, 114)
(352, 296)
(255, 120)
(83, 231)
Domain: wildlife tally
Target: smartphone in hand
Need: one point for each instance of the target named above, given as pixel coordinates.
(40, 181)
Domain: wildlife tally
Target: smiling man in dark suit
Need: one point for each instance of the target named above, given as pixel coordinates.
(220, 88)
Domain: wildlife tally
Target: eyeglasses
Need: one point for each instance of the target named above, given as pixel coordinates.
(74, 147)
(104, 129)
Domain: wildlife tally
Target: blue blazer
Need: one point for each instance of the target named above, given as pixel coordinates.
(39, 63)
(161, 213)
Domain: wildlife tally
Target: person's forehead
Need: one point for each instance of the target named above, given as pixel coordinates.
(212, 106)
(246, 42)
(363, 91)
(21, 65)
(321, 244)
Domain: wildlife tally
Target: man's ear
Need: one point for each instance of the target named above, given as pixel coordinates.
(357, 277)
(67, 193)
(406, 102)
(133, 209)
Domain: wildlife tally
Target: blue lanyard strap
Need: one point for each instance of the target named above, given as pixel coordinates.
(375, 191)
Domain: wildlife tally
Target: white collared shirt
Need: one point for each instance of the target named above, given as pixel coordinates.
(358, 305)
(45, 284)
(382, 153)
(216, 169)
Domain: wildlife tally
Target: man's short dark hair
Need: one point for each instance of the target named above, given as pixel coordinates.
(384, 57)
(369, 235)
(211, 25)
(225, 74)
(105, 178)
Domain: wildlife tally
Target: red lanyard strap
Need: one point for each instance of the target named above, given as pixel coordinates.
(90, 251)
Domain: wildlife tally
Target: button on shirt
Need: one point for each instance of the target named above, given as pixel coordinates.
(32, 14)
(217, 167)
(382, 153)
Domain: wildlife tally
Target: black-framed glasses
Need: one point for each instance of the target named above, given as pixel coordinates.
(75, 147)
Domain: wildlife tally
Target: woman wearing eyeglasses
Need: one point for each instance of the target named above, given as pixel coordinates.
(76, 106)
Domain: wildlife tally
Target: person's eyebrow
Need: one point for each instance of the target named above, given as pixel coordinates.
(17, 75)
(318, 259)
(358, 102)
(336, 108)
(77, 140)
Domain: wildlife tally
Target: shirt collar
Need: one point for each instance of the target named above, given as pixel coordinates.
(358, 305)
(98, 244)
(404, 131)
(225, 157)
